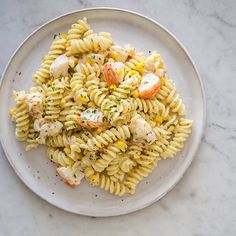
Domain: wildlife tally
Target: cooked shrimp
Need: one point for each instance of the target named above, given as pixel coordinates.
(70, 178)
(113, 72)
(141, 130)
(36, 100)
(91, 118)
(60, 67)
(46, 129)
(150, 85)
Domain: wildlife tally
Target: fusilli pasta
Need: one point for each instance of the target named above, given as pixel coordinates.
(106, 113)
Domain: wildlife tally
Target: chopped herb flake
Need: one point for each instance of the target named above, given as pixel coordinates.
(126, 88)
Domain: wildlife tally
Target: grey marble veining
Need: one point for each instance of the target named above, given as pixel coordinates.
(204, 202)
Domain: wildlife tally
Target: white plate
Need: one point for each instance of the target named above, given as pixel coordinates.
(38, 173)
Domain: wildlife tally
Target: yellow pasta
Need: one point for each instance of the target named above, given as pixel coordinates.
(43, 73)
(77, 30)
(106, 113)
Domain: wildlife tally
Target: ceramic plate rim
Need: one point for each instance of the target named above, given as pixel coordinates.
(190, 159)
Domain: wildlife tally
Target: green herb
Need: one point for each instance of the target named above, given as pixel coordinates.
(54, 36)
(145, 82)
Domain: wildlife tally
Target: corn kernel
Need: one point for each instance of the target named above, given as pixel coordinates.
(119, 72)
(67, 151)
(63, 36)
(135, 94)
(157, 57)
(12, 111)
(116, 56)
(121, 144)
(159, 119)
(133, 72)
(152, 123)
(84, 98)
(93, 179)
(113, 86)
(62, 103)
(88, 60)
(140, 67)
(161, 65)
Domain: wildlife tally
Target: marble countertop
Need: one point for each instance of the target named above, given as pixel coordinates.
(204, 202)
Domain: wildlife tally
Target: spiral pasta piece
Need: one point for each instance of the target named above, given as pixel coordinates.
(146, 106)
(134, 151)
(22, 120)
(110, 153)
(171, 123)
(54, 96)
(72, 116)
(89, 68)
(181, 134)
(105, 182)
(92, 43)
(109, 136)
(66, 104)
(135, 63)
(136, 175)
(77, 86)
(32, 138)
(96, 94)
(114, 166)
(63, 139)
(43, 73)
(165, 90)
(77, 30)
(59, 157)
(70, 112)
(175, 103)
(152, 153)
(118, 176)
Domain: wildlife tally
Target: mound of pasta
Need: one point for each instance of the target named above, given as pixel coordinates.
(107, 113)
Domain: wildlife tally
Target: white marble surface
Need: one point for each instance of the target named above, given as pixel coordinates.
(204, 202)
